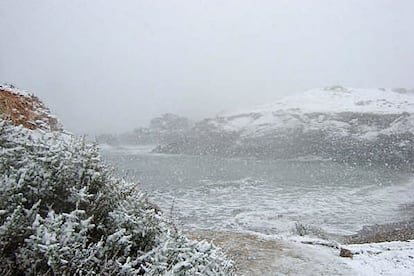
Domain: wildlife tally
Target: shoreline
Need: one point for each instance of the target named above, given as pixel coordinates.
(388, 232)
(251, 254)
(255, 255)
(372, 246)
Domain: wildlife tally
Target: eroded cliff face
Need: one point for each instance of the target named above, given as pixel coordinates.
(22, 108)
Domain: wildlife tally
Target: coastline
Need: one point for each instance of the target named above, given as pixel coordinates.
(255, 255)
(396, 231)
(378, 249)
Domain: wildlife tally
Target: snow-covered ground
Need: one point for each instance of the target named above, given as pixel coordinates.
(386, 258)
(267, 255)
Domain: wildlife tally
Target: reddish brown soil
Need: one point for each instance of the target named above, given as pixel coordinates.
(27, 111)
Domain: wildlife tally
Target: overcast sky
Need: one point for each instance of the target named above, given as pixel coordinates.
(112, 65)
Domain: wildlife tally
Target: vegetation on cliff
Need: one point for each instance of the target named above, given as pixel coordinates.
(63, 213)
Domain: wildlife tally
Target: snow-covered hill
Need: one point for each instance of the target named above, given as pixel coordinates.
(326, 109)
(334, 122)
(337, 98)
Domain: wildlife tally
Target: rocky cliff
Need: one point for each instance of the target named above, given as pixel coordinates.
(22, 108)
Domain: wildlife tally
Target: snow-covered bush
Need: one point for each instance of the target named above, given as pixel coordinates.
(62, 213)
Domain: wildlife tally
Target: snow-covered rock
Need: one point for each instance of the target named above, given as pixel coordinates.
(327, 109)
(22, 108)
(335, 122)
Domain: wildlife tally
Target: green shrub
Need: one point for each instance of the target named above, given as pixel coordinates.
(63, 213)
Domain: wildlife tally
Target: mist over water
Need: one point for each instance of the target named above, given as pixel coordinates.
(267, 196)
(111, 67)
(238, 116)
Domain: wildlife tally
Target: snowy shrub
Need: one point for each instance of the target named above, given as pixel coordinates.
(62, 213)
(309, 230)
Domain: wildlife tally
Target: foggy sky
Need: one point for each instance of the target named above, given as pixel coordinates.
(112, 65)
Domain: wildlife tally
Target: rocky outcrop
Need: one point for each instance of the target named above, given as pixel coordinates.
(357, 125)
(167, 128)
(22, 108)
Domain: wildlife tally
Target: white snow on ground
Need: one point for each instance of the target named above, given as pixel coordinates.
(269, 255)
(386, 258)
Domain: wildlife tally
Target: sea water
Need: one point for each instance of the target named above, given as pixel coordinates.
(269, 197)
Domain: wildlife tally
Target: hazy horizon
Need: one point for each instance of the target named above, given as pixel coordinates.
(103, 66)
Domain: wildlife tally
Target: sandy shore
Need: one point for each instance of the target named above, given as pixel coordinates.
(254, 255)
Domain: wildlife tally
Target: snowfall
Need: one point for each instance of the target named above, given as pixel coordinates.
(289, 254)
(296, 255)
